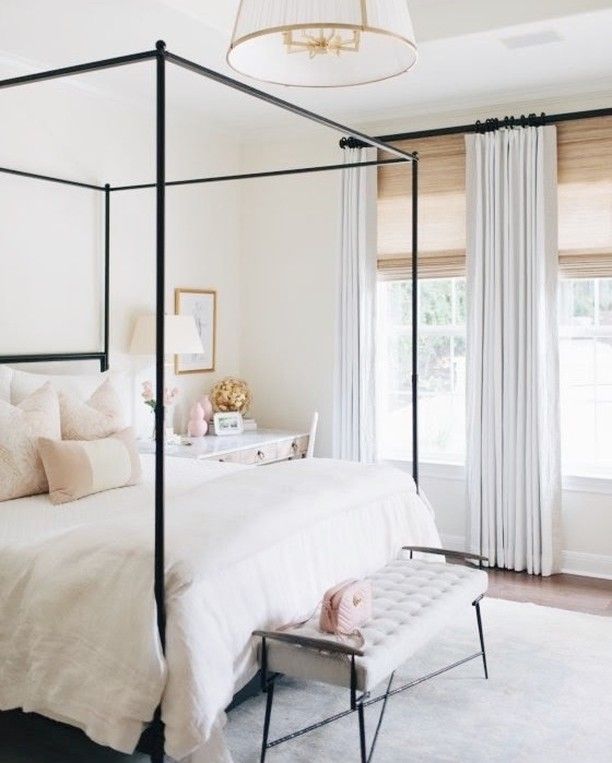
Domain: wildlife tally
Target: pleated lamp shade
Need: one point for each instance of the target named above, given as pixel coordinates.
(322, 43)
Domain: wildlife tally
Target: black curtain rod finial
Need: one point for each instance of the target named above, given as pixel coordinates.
(161, 46)
(350, 142)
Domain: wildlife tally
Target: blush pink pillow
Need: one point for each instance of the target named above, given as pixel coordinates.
(76, 468)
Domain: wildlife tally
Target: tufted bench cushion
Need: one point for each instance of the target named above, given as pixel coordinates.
(412, 601)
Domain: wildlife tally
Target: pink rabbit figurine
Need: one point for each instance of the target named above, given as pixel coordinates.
(197, 426)
(207, 408)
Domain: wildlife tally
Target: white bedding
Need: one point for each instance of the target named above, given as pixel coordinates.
(246, 548)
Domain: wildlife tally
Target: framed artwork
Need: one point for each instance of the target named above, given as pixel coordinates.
(202, 305)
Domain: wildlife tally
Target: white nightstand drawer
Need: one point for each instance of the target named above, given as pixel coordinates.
(252, 448)
(295, 448)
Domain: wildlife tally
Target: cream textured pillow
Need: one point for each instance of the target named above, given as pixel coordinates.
(21, 470)
(76, 468)
(98, 417)
(6, 376)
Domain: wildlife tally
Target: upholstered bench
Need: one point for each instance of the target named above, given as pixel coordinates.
(413, 600)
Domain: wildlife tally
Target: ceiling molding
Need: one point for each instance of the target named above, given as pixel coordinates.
(19, 66)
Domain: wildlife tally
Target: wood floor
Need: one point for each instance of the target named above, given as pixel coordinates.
(27, 738)
(574, 592)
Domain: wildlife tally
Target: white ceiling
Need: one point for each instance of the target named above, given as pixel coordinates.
(464, 60)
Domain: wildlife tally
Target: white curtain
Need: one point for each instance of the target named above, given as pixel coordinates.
(354, 404)
(513, 447)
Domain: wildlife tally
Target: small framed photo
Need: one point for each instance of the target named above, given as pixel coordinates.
(202, 305)
(228, 422)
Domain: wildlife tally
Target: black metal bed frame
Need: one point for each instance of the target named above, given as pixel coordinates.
(161, 57)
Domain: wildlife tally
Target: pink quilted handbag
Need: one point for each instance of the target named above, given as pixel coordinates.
(346, 607)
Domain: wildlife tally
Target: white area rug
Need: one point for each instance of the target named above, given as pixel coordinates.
(548, 698)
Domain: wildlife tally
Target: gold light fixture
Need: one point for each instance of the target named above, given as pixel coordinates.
(322, 43)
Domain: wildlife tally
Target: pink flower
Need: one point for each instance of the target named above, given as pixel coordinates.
(170, 396)
(147, 392)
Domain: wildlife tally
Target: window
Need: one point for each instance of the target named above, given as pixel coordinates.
(585, 328)
(441, 369)
(585, 335)
(585, 295)
(442, 235)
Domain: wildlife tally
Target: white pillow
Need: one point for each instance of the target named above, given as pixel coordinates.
(21, 384)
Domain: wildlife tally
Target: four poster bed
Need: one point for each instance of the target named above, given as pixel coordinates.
(115, 629)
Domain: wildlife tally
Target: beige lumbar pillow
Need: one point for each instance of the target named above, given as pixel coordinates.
(98, 417)
(21, 470)
(76, 468)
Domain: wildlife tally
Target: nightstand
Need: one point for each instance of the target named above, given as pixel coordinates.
(263, 446)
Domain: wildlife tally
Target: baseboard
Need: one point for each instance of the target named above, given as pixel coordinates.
(572, 562)
(588, 565)
(453, 542)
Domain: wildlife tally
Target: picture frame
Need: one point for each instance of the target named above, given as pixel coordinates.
(201, 304)
(228, 422)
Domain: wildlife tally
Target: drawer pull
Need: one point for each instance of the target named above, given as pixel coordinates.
(294, 446)
(261, 455)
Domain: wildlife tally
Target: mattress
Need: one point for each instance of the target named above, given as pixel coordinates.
(246, 548)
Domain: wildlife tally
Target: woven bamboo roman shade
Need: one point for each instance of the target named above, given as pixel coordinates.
(441, 210)
(585, 197)
(584, 192)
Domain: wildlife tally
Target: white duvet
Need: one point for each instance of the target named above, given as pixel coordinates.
(246, 548)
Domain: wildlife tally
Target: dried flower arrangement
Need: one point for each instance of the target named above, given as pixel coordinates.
(231, 394)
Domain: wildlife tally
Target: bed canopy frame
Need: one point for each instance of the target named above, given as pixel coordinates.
(161, 57)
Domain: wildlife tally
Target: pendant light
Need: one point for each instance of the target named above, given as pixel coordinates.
(322, 43)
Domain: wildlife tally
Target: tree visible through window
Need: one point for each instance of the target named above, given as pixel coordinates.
(441, 369)
(585, 329)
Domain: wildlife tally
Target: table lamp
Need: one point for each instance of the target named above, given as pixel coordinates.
(180, 337)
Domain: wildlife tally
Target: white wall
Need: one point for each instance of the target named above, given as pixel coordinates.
(51, 236)
(289, 258)
(289, 274)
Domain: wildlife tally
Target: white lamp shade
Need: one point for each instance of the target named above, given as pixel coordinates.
(322, 43)
(180, 333)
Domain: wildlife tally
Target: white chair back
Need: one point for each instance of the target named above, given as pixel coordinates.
(313, 435)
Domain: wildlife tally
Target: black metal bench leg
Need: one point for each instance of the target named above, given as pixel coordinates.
(266, 728)
(362, 734)
(158, 739)
(481, 636)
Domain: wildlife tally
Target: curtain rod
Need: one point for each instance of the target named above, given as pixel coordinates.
(488, 124)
